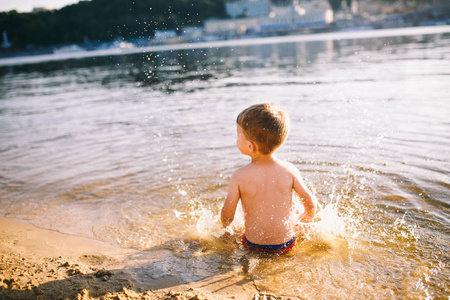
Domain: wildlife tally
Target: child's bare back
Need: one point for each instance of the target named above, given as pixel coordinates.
(265, 185)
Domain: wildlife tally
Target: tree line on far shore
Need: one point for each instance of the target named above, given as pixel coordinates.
(104, 20)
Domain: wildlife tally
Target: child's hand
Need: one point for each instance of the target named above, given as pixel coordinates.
(302, 227)
(305, 218)
(237, 228)
(226, 234)
(232, 229)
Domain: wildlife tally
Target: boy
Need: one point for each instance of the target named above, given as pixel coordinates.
(265, 185)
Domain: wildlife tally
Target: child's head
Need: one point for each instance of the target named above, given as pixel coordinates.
(266, 125)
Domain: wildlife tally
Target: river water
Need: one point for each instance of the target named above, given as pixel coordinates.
(138, 149)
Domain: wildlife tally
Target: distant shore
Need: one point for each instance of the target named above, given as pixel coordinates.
(334, 35)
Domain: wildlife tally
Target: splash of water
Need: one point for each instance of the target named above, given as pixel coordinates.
(329, 223)
(328, 226)
(209, 224)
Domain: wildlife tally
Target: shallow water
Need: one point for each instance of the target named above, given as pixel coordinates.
(138, 150)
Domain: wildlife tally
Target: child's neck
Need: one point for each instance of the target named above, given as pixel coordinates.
(261, 158)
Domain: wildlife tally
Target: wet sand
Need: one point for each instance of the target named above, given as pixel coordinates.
(42, 264)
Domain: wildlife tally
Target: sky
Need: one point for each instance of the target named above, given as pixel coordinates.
(28, 5)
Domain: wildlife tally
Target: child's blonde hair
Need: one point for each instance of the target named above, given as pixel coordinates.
(266, 125)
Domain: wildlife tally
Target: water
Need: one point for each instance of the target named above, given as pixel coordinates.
(138, 150)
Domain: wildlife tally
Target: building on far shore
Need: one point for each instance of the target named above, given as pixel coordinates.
(262, 16)
(6, 43)
(40, 9)
(250, 8)
(165, 34)
(192, 33)
(295, 16)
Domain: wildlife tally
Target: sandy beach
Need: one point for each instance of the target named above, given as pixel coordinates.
(42, 264)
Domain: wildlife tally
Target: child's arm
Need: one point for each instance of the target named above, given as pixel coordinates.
(229, 207)
(306, 198)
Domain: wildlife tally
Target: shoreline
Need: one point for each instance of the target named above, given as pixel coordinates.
(37, 263)
(333, 35)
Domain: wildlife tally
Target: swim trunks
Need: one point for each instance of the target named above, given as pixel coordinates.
(280, 249)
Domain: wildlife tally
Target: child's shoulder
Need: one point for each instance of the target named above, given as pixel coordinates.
(245, 172)
(242, 171)
(287, 165)
(289, 169)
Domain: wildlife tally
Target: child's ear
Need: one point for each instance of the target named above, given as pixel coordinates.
(252, 146)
